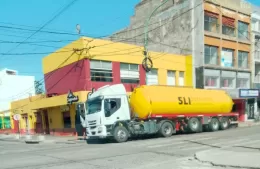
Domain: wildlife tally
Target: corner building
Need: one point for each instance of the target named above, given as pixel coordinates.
(101, 63)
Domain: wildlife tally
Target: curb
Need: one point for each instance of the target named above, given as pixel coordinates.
(245, 124)
(216, 162)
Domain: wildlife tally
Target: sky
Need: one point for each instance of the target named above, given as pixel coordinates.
(96, 18)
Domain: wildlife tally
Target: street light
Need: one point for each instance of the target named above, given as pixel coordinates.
(147, 61)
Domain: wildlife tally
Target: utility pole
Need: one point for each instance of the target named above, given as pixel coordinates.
(147, 61)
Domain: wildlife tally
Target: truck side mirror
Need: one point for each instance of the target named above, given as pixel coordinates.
(107, 105)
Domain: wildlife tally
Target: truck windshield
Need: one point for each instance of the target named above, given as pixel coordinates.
(94, 106)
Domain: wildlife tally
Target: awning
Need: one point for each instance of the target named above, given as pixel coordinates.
(228, 21)
(211, 14)
(56, 100)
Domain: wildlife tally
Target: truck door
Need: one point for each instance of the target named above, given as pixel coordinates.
(79, 116)
(114, 110)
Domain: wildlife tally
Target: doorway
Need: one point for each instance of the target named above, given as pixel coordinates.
(46, 121)
(251, 109)
(38, 124)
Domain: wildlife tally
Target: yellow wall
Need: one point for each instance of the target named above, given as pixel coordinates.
(54, 115)
(118, 52)
(23, 107)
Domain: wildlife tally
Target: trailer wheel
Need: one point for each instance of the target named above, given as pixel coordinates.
(194, 125)
(224, 123)
(166, 129)
(214, 124)
(121, 134)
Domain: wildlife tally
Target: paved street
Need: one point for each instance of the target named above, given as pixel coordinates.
(177, 152)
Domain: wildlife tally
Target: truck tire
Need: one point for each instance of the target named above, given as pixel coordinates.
(166, 129)
(194, 125)
(214, 124)
(121, 134)
(224, 123)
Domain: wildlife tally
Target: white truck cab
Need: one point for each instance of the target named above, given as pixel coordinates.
(104, 108)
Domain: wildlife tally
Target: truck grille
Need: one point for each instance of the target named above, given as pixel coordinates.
(92, 123)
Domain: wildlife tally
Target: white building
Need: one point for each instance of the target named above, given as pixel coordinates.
(256, 46)
(13, 87)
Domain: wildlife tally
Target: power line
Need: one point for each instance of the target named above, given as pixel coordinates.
(127, 39)
(174, 18)
(48, 22)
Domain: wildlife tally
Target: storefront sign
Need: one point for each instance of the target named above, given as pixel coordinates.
(71, 98)
(248, 93)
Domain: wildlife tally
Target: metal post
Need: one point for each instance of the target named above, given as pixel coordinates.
(147, 60)
(147, 24)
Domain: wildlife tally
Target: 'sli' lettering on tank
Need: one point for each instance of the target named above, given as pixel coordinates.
(184, 100)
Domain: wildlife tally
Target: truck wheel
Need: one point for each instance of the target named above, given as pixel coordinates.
(194, 125)
(166, 129)
(224, 123)
(214, 124)
(121, 134)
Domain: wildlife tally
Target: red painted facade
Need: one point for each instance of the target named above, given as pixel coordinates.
(76, 77)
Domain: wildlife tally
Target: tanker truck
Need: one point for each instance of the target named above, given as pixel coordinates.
(152, 110)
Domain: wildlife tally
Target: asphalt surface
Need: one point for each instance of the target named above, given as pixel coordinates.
(176, 152)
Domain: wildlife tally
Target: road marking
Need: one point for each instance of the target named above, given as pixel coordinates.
(164, 145)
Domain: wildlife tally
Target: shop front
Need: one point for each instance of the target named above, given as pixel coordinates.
(247, 104)
(5, 122)
(58, 115)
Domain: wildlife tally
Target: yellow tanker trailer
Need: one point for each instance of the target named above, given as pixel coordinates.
(160, 110)
(149, 101)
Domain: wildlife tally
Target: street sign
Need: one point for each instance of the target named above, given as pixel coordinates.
(17, 117)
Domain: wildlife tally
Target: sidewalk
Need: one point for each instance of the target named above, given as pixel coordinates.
(224, 158)
(248, 124)
(40, 138)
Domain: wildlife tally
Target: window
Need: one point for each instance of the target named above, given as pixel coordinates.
(242, 83)
(171, 77)
(114, 105)
(257, 55)
(243, 80)
(242, 59)
(228, 26)
(66, 119)
(129, 73)
(94, 106)
(211, 81)
(211, 55)
(243, 30)
(101, 71)
(227, 57)
(152, 77)
(211, 22)
(227, 82)
(254, 25)
(181, 78)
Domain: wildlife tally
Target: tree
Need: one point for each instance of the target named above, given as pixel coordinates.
(38, 87)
